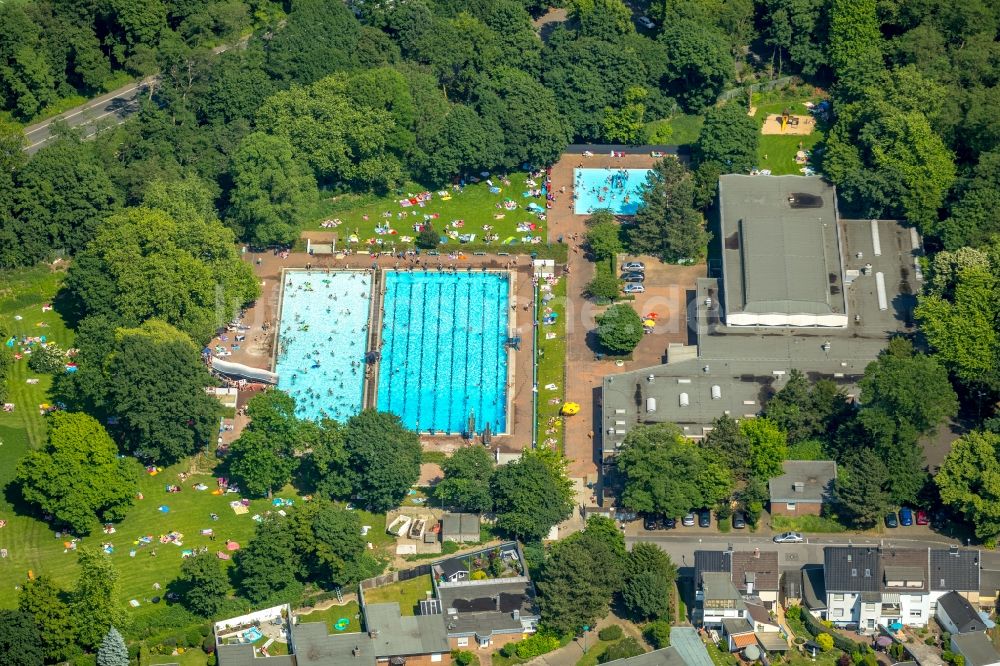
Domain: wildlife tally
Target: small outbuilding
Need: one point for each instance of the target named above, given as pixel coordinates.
(460, 527)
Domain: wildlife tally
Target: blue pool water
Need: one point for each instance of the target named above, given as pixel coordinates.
(617, 189)
(443, 353)
(323, 336)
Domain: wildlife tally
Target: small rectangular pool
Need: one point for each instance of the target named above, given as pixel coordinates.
(322, 341)
(617, 189)
(444, 351)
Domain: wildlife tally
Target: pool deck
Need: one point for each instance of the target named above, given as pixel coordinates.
(258, 349)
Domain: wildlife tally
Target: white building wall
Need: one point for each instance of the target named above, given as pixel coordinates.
(842, 608)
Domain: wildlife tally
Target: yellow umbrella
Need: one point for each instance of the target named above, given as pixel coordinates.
(570, 408)
(649, 323)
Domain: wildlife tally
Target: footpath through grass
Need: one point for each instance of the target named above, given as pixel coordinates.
(472, 210)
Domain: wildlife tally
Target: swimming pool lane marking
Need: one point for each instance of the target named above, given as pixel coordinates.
(389, 323)
(407, 357)
(500, 382)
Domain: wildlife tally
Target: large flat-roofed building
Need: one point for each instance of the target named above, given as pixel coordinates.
(781, 252)
(871, 277)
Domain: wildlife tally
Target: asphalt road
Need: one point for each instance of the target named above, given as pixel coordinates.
(681, 547)
(90, 118)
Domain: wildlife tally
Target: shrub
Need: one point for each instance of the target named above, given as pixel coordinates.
(794, 613)
(619, 329)
(462, 657)
(825, 642)
(531, 647)
(428, 238)
(845, 660)
(479, 574)
(612, 633)
(623, 649)
(193, 638)
(49, 359)
(604, 287)
(208, 645)
(658, 634)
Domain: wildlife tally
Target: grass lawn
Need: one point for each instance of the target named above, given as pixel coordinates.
(408, 593)
(474, 204)
(720, 656)
(806, 524)
(349, 610)
(595, 650)
(775, 151)
(190, 657)
(680, 130)
(552, 367)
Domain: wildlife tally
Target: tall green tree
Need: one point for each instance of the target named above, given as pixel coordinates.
(77, 476)
(667, 224)
(619, 329)
(729, 138)
(699, 64)
(767, 444)
(263, 458)
(648, 583)
(328, 540)
(45, 602)
(319, 39)
(113, 651)
(532, 494)
(203, 585)
(861, 488)
(604, 19)
(96, 605)
(20, 641)
(969, 481)
(385, 458)
(466, 483)
(855, 44)
(272, 191)
(266, 568)
(604, 240)
(326, 466)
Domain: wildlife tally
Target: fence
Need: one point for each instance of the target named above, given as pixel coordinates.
(395, 577)
(759, 87)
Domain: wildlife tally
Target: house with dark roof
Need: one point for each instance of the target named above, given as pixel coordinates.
(755, 574)
(957, 616)
(803, 488)
(406, 639)
(977, 648)
(848, 573)
(955, 569)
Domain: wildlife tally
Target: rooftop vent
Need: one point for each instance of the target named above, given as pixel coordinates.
(803, 200)
(798, 486)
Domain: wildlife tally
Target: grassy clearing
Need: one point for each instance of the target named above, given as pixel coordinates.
(474, 204)
(777, 152)
(407, 593)
(680, 130)
(806, 524)
(350, 611)
(552, 367)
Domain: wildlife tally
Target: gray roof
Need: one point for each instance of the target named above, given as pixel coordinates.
(961, 612)
(816, 477)
(781, 250)
(737, 625)
(906, 565)
(243, 655)
(759, 565)
(668, 656)
(954, 569)
(487, 607)
(851, 569)
(759, 614)
(403, 635)
(976, 648)
(690, 647)
(464, 526)
(314, 645)
(716, 585)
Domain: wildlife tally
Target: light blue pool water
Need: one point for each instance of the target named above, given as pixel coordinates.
(617, 189)
(444, 350)
(322, 341)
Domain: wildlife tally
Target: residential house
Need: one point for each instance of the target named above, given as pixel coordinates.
(955, 569)
(803, 488)
(848, 573)
(487, 613)
(977, 649)
(738, 633)
(399, 639)
(460, 527)
(814, 589)
(755, 574)
(957, 616)
(761, 620)
(719, 600)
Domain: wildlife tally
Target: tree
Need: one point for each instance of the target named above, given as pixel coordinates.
(47, 358)
(466, 483)
(767, 444)
(428, 239)
(203, 585)
(649, 581)
(461, 140)
(328, 540)
(728, 137)
(619, 329)
(77, 476)
(145, 263)
(154, 383)
(95, 601)
(855, 40)
(267, 566)
(580, 576)
(665, 473)
(21, 643)
(969, 481)
(608, 20)
(796, 29)
(44, 602)
(667, 225)
(805, 410)
(625, 124)
(605, 286)
(604, 240)
(319, 39)
(326, 467)
(727, 443)
(531, 494)
(699, 64)
(259, 464)
(657, 634)
(385, 458)
(113, 651)
(974, 221)
(272, 191)
(912, 388)
(860, 488)
(623, 649)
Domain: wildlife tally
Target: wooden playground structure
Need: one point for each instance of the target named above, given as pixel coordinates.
(788, 123)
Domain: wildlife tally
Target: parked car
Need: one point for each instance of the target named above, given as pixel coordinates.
(890, 520)
(704, 518)
(788, 537)
(651, 522)
(670, 523)
(905, 517)
(739, 520)
(634, 277)
(688, 520)
(636, 266)
(923, 518)
(632, 288)
(646, 22)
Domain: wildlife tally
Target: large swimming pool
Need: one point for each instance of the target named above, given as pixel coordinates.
(322, 341)
(617, 189)
(444, 354)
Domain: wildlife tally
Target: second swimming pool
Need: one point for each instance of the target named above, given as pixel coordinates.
(444, 354)
(617, 189)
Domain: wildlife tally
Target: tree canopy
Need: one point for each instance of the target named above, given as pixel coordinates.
(667, 224)
(384, 458)
(466, 483)
(531, 494)
(619, 329)
(969, 481)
